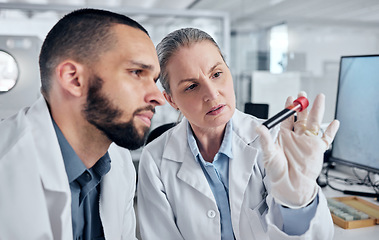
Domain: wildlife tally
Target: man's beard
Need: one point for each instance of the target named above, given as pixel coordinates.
(100, 112)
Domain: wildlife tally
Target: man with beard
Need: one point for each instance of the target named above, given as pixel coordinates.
(64, 169)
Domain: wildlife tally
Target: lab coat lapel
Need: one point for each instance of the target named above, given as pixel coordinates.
(240, 167)
(240, 170)
(51, 169)
(113, 199)
(190, 171)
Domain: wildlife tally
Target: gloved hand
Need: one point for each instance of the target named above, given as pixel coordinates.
(294, 161)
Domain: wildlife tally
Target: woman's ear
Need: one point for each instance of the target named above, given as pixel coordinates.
(170, 100)
(71, 77)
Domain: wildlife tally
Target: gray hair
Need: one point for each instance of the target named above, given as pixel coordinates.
(169, 45)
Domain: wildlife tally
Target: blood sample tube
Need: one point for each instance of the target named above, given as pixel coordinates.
(298, 105)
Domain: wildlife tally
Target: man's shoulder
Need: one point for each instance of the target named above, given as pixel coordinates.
(28, 125)
(12, 130)
(120, 157)
(116, 151)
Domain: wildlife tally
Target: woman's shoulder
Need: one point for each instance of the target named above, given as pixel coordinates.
(171, 138)
(245, 121)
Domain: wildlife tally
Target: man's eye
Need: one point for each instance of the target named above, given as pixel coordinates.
(192, 86)
(136, 72)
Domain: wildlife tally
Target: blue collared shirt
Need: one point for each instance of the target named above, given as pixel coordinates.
(295, 221)
(85, 190)
(218, 177)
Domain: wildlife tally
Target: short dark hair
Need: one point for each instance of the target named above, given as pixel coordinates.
(81, 35)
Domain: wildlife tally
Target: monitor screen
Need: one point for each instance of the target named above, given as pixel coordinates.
(357, 109)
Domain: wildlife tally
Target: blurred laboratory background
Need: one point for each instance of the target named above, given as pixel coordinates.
(274, 48)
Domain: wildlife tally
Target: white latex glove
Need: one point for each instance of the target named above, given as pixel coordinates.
(295, 160)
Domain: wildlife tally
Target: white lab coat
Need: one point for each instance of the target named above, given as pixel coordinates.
(176, 202)
(35, 197)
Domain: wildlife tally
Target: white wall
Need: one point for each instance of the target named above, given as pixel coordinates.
(16, 26)
(322, 44)
(321, 48)
(17, 23)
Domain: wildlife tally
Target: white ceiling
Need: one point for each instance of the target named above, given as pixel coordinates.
(264, 13)
(253, 14)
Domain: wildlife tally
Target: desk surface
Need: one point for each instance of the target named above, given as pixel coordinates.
(366, 233)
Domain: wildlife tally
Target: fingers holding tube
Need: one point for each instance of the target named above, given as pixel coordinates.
(306, 123)
(273, 158)
(267, 142)
(316, 114)
(288, 123)
(302, 116)
(289, 101)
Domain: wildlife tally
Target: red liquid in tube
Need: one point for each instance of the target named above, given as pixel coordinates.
(298, 105)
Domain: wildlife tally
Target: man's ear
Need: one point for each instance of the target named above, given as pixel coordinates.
(170, 100)
(71, 77)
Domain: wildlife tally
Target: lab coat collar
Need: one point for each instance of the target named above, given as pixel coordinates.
(178, 138)
(51, 165)
(226, 144)
(190, 171)
(74, 166)
(246, 129)
(240, 170)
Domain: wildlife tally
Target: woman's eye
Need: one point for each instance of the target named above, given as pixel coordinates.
(217, 74)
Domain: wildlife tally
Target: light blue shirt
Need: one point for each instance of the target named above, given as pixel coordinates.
(218, 177)
(295, 221)
(85, 190)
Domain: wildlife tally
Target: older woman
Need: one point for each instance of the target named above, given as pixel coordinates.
(211, 177)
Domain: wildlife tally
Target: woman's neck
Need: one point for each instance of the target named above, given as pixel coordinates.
(209, 140)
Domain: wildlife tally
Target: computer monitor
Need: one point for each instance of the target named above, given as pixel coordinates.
(259, 110)
(357, 141)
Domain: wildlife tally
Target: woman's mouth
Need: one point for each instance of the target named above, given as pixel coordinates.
(216, 110)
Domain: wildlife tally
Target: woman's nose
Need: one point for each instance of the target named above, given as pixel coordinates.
(210, 91)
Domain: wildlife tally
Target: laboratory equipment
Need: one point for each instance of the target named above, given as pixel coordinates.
(298, 105)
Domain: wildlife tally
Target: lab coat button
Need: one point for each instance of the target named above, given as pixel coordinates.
(211, 214)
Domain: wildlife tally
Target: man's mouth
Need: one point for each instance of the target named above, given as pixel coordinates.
(145, 116)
